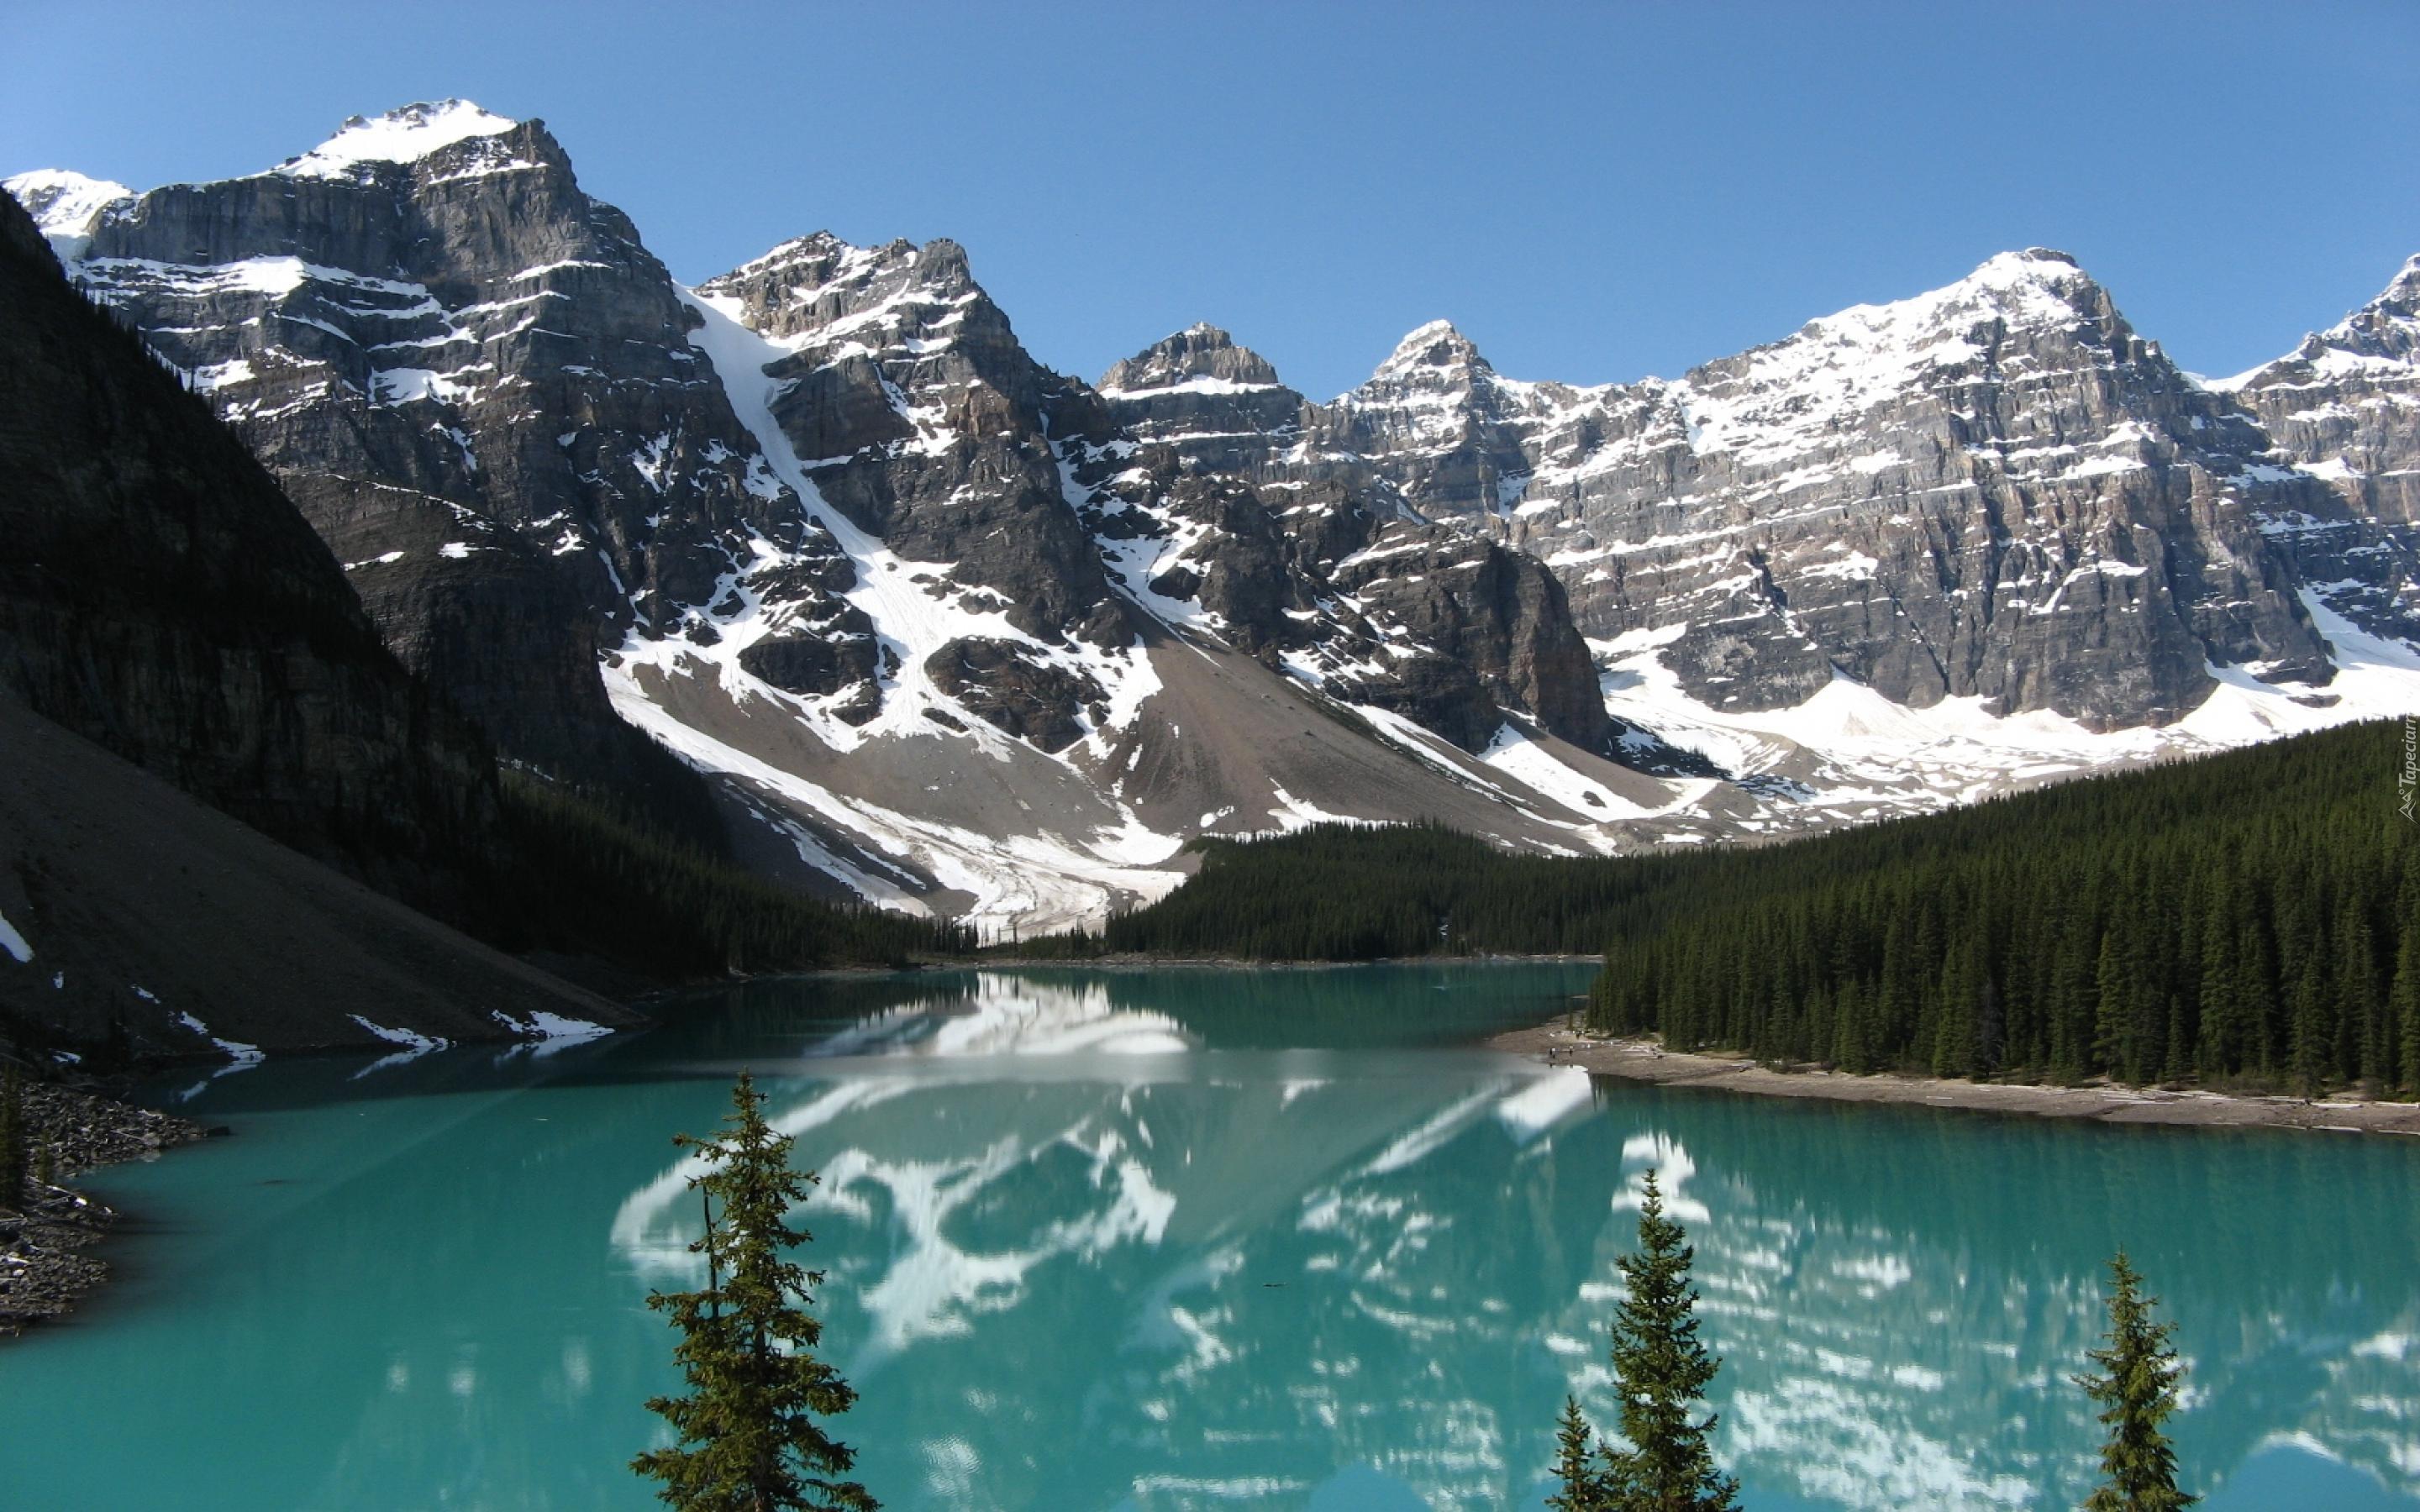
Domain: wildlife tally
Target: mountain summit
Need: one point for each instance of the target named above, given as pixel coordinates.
(914, 619)
(1197, 353)
(406, 134)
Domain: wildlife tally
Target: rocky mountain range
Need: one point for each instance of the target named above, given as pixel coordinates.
(219, 789)
(951, 632)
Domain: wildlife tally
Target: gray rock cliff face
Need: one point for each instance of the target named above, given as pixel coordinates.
(478, 386)
(179, 652)
(158, 597)
(506, 419)
(1994, 490)
(1220, 405)
(2347, 401)
(919, 417)
(830, 487)
(1439, 425)
(2344, 407)
(1317, 558)
(929, 610)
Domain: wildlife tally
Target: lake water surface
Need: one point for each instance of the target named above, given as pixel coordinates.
(1197, 1238)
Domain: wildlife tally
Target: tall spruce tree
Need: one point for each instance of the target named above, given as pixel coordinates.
(1662, 1369)
(1579, 1483)
(746, 1436)
(2404, 996)
(2307, 1027)
(2137, 1388)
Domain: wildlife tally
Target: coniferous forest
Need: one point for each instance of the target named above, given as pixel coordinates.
(578, 878)
(2249, 918)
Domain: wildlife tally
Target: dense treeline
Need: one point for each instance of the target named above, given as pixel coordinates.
(581, 879)
(2252, 915)
(1344, 892)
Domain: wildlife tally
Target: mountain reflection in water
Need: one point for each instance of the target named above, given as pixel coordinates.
(1209, 1237)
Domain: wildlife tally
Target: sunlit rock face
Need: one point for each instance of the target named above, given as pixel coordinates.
(1995, 501)
(1997, 490)
(1306, 551)
(951, 631)
(821, 525)
(479, 387)
(1080, 515)
(910, 403)
(2344, 407)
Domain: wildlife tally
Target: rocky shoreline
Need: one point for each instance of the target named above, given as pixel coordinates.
(45, 1263)
(1643, 1060)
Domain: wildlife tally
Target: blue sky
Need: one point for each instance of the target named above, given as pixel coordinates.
(1591, 192)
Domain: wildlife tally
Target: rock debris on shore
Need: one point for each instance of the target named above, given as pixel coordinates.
(46, 1235)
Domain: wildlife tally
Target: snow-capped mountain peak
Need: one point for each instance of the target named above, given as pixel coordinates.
(406, 134)
(1201, 357)
(2034, 288)
(818, 290)
(958, 632)
(1437, 345)
(2386, 327)
(65, 204)
(2340, 408)
(2029, 265)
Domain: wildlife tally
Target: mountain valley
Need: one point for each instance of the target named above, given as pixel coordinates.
(947, 632)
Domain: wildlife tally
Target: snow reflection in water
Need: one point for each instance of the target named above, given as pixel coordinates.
(1240, 1279)
(1202, 1238)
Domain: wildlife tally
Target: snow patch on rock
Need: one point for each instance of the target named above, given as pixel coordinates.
(403, 135)
(14, 941)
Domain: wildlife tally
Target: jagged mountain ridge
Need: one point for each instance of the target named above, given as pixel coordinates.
(1994, 490)
(826, 527)
(1211, 417)
(926, 607)
(2344, 407)
(209, 751)
(412, 327)
(917, 417)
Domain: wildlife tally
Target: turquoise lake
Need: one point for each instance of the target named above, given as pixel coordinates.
(1196, 1238)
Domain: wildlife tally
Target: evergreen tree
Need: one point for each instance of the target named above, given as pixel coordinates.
(1954, 1034)
(1580, 1485)
(1663, 1370)
(1991, 1028)
(2224, 1035)
(746, 1435)
(2136, 1386)
(2176, 1064)
(2405, 996)
(2307, 1046)
(1849, 1024)
(2365, 1050)
(2113, 1034)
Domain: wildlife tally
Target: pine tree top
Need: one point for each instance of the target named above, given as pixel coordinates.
(2136, 1385)
(1662, 1369)
(746, 1435)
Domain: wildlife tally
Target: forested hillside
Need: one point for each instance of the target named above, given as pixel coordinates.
(1352, 892)
(576, 877)
(2252, 915)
